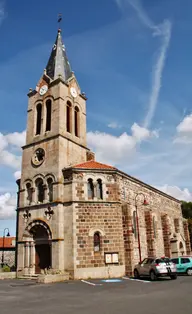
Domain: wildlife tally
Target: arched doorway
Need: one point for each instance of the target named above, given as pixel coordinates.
(41, 235)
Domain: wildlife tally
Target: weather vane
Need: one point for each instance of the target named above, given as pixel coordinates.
(59, 18)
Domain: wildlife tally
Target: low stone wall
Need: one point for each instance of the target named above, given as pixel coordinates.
(52, 278)
(7, 275)
(113, 271)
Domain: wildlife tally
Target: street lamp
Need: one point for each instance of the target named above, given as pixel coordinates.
(145, 203)
(7, 235)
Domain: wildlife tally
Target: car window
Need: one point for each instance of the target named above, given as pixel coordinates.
(175, 260)
(185, 260)
(163, 260)
(145, 261)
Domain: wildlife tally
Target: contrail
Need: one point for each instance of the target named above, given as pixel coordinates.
(157, 76)
(2, 13)
(164, 31)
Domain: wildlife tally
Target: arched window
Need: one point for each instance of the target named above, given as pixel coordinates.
(68, 116)
(38, 121)
(135, 223)
(76, 121)
(48, 116)
(90, 189)
(50, 189)
(99, 189)
(40, 190)
(97, 242)
(29, 193)
(154, 227)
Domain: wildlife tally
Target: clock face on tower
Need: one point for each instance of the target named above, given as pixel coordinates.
(43, 89)
(38, 157)
(73, 92)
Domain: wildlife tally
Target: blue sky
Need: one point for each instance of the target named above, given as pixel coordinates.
(133, 60)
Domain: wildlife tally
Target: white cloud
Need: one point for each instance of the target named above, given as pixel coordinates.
(8, 141)
(7, 206)
(115, 149)
(114, 125)
(3, 142)
(141, 133)
(10, 160)
(184, 131)
(175, 191)
(17, 174)
(16, 138)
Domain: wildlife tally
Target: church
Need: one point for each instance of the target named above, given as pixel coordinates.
(77, 216)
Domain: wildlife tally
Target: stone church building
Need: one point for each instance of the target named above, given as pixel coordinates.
(75, 215)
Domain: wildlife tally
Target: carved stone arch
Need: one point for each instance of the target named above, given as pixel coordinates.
(26, 182)
(76, 104)
(89, 176)
(40, 187)
(38, 176)
(92, 231)
(52, 176)
(37, 222)
(100, 177)
(47, 98)
(38, 102)
(70, 99)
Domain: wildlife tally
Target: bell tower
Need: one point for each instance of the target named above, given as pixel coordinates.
(55, 139)
(56, 123)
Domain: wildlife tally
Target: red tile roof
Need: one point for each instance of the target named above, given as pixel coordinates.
(93, 165)
(8, 242)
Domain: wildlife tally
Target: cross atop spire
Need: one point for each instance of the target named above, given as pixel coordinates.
(58, 64)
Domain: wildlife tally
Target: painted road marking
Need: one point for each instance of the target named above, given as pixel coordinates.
(91, 283)
(112, 280)
(133, 279)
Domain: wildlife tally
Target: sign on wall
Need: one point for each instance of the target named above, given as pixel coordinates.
(111, 258)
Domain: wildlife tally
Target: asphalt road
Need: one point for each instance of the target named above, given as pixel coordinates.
(164, 296)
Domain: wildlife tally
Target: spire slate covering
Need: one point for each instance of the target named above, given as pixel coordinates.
(58, 64)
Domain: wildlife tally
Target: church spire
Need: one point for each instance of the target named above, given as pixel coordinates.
(58, 64)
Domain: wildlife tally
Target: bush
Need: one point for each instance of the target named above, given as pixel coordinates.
(6, 269)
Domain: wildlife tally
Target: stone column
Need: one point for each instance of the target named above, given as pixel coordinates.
(128, 239)
(26, 257)
(57, 255)
(166, 235)
(187, 237)
(32, 257)
(151, 252)
(46, 191)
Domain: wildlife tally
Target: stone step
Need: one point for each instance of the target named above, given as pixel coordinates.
(30, 277)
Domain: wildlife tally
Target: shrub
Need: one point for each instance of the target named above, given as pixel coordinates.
(6, 269)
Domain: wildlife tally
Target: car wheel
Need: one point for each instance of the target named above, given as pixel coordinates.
(153, 276)
(189, 272)
(173, 277)
(136, 274)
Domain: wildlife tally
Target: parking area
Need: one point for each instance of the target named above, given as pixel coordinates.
(97, 296)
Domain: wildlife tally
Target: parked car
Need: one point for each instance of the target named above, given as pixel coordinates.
(183, 264)
(155, 268)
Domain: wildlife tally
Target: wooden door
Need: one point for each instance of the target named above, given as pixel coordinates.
(37, 262)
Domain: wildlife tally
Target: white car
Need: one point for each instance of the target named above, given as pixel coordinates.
(155, 268)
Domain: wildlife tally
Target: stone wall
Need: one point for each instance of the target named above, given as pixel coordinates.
(114, 214)
(107, 220)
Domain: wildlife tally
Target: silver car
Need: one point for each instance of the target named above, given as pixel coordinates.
(155, 268)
